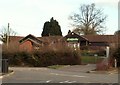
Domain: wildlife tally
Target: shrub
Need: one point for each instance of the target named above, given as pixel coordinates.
(43, 57)
(57, 58)
(102, 64)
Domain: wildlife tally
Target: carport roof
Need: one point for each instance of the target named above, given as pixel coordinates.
(74, 35)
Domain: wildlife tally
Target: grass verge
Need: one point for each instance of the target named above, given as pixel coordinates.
(90, 59)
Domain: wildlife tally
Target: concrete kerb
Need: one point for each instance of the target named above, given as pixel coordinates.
(104, 72)
(6, 74)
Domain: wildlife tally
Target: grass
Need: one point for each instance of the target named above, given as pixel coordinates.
(56, 66)
(90, 59)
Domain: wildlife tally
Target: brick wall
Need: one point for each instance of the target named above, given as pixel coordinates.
(26, 46)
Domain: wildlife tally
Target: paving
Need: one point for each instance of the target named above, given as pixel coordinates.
(69, 74)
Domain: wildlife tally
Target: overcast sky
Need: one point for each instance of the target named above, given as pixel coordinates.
(28, 16)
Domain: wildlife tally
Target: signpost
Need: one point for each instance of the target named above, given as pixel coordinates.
(115, 63)
(74, 42)
(72, 39)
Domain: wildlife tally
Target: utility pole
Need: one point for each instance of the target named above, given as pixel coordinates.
(8, 34)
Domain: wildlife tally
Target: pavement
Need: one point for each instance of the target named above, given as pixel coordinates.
(89, 68)
(69, 74)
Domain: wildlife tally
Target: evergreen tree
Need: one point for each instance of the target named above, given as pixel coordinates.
(117, 32)
(51, 28)
(69, 31)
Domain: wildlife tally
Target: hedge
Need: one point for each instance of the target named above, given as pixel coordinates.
(42, 58)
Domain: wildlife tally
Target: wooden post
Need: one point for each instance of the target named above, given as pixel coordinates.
(115, 63)
(86, 43)
(107, 51)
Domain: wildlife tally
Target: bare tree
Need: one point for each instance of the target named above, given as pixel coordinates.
(5, 33)
(90, 20)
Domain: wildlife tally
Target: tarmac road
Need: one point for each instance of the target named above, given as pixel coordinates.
(46, 75)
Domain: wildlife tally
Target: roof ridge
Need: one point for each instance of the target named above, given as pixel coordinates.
(32, 36)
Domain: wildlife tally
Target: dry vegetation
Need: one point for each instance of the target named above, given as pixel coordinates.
(46, 56)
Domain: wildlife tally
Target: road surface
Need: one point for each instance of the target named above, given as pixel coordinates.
(46, 75)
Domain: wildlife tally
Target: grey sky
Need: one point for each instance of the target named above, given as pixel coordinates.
(28, 16)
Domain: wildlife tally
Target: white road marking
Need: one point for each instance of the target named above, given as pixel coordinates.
(88, 82)
(67, 75)
(37, 69)
(78, 76)
(61, 82)
(68, 81)
(1, 77)
(48, 81)
(72, 81)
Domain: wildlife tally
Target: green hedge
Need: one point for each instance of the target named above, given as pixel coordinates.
(43, 58)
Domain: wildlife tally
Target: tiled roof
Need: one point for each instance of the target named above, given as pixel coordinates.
(102, 38)
(15, 39)
(90, 38)
(46, 40)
